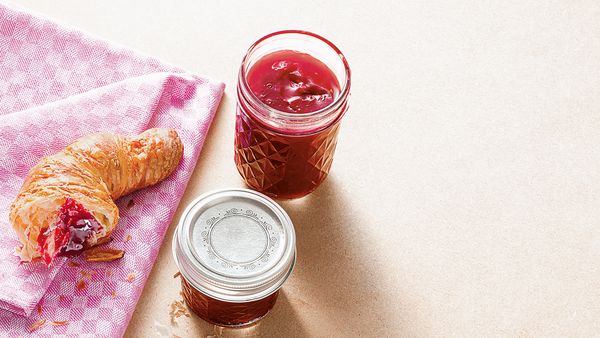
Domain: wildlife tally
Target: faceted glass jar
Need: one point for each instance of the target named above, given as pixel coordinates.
(282, 154)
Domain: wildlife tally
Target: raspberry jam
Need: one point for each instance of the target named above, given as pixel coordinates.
(290, 103)
(293, 82)
(234, 250)
(69, 235)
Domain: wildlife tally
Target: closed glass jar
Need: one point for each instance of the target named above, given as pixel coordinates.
(293, 89)
(234, 249)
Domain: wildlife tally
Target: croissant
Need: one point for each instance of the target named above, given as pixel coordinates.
(66, 203)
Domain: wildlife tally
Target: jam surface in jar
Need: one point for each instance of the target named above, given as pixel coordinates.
(277, 161)
(293, 82)
(223, 313)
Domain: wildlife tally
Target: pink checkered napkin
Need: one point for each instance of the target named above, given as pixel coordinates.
(57, 84)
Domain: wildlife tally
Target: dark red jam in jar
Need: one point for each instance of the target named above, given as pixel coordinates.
(223, 313)
(234, 248)
(293, 90)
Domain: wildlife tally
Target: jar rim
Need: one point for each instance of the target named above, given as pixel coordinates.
(337, 103)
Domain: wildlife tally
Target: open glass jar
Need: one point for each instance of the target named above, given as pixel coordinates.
(234, 249)
(293, 89)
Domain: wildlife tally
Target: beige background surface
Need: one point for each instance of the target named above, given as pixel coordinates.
(464, 197)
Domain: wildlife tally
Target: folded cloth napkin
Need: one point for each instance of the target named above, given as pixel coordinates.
(57, 84)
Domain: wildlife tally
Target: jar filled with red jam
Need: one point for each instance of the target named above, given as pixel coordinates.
(234, 249)
(293, 90)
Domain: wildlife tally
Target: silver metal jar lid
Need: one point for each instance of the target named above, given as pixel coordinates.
(235, 245)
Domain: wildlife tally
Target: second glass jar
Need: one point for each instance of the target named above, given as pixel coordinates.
(292, 93)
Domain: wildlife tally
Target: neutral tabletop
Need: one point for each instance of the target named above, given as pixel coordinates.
(464, 198)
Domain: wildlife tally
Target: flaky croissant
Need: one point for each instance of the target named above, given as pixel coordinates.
(66, 203)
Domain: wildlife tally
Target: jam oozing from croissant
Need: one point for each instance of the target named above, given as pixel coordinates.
(68, 236)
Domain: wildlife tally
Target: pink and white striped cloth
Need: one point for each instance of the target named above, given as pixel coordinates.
(57, 84)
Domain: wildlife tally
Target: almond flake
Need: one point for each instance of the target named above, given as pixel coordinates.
(72, 264)
(36, 325)
(81, 284)
(103, 240)
(131, 277)
(103, 255)
(59, 322)
(177, 274)
(130, 204)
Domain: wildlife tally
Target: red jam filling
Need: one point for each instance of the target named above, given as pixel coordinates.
(293, 82)
(69, 235)
(223, 313)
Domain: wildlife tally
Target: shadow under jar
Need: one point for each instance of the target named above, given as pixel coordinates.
(234, 249)
(293, 89)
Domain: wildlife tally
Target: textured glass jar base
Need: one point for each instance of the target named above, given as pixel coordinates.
(224, 313)
(279, 165)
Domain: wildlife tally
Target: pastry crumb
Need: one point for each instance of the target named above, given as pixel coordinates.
(130, 204)
(113, 294)
(59, 322)
(39, 309)
(72, 264)
(109, 273)
(177, 274)
(131, 277)
(37, 324)
(103, 255)
(87, 274)
(128, 238)
(81, 284)
(178, 309)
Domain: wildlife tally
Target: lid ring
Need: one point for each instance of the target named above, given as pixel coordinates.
(249, 255)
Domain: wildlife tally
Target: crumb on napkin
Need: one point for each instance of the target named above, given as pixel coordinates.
(103, 255)
(87, 274)
(81, 284)
(59, 322)
(37, 324)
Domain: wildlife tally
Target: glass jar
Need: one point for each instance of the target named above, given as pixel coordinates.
(282, 152)
(234, 249)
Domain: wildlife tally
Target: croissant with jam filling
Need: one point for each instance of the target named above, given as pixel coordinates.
(66, 203)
